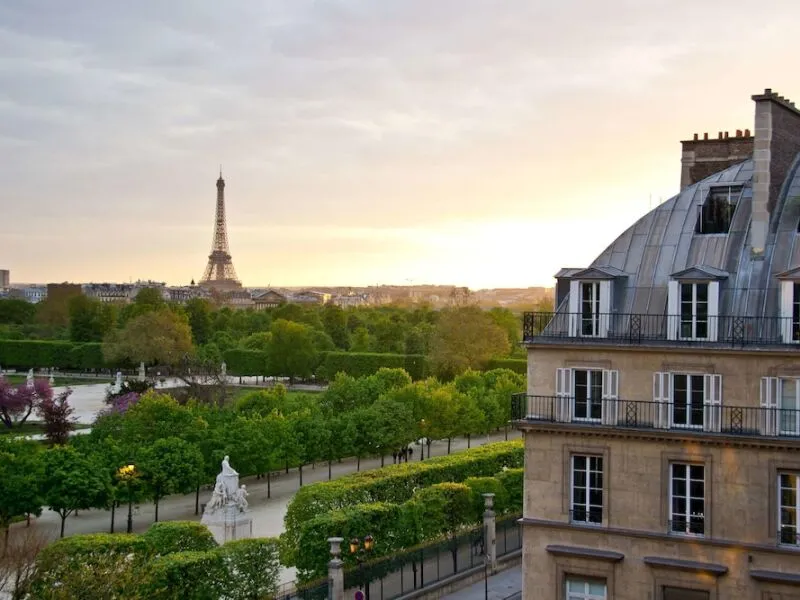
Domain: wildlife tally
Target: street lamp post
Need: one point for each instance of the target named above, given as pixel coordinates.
(361, 555)
(127, 474)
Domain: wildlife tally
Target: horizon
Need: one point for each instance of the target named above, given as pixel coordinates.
(379, 144)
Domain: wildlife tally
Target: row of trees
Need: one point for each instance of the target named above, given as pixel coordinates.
(177, 448)
(156, 332)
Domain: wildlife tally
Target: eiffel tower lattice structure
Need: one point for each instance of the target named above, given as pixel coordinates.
(220, 274)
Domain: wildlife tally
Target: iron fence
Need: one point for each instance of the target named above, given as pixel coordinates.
(395, 576)
(317, 590)
(634, 328)
(635, 414)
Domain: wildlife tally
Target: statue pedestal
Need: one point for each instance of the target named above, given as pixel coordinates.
(228, 523)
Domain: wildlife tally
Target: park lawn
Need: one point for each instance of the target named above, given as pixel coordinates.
(32, 428)
(61, 381)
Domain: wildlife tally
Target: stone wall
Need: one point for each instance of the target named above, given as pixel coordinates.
(702, 157)
(741, 371)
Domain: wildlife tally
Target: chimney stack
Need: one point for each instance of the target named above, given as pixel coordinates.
(777, 142)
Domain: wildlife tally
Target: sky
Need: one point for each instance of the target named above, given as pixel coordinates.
(484, 143)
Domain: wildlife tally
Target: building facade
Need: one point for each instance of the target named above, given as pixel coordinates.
(5, 279)
(662, 416)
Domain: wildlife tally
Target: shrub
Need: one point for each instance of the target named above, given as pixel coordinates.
(239, 361)
(439, 509)
(486, 485)
(178, 536)
(38, 354)
(518, 365)
(513, 482)
(96, 566)
(252, 569)
(184, 576)
(394, 483)
(383, 520)
(360, 364)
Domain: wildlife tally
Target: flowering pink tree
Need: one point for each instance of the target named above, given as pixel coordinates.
(56, 414)
(17, 402)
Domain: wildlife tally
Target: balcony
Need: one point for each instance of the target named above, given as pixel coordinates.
(656, 416)
(641, 329)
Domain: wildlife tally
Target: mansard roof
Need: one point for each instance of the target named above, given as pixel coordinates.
(700, 272)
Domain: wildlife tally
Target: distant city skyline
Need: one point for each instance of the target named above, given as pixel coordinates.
(363, 143)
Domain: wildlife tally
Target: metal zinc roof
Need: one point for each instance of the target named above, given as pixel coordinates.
(663, 242)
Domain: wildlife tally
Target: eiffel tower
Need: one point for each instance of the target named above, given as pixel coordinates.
(220, 274)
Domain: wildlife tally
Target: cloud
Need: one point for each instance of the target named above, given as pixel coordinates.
(382, 116)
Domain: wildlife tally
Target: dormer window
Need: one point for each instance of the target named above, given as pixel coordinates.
(590, 300)
(790, 306)
(716, 213)
(693, 304)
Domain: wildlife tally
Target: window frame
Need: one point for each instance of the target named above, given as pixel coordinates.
(587, 488)
(795, 310)
(590, 402)
(715, 200)
(779, 505)
(585, 595)
(782, 410)
(694, 320)
(686, 517)
(592, 317)
(689, 404)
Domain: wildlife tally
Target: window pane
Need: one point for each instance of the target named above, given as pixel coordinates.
(702, 292)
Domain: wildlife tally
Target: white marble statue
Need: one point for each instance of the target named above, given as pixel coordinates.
(118, 382)
(29, 379)
(218, 498)
(224, 368)
(227, 470)
(226, 515)
(52, 379)
(142, 374)
(241, 498)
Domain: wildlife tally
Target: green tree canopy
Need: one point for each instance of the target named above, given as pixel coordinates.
(291, 352)
(156, 337)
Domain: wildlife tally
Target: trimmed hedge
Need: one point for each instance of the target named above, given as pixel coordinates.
(518, 365)
(42, 354)
(239, 361)
(394, 483)
(172, 560)
(487, 485)
(184, 576)
(513, 482)
(94, 566)
(252, 568)
(431, 513)
(178, 536)
(360, 364)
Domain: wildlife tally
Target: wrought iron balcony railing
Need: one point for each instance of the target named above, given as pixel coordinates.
(628, 328)
(664, 416)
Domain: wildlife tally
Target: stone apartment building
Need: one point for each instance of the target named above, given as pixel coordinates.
(662, 417)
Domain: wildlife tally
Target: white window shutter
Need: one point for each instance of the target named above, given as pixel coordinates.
(769, 406)
(610, 397)
(712, 403)
(661, 398)
(563, 395)
(673, 310)
(787, 297)
(574, 307)
(713, 310)
(605, 308)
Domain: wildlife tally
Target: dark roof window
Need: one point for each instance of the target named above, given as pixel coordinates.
(716, 213)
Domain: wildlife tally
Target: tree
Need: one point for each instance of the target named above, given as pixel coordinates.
(393, 424)
(335, 322)
(466, 338)
(361, 341)
(90, 320)
(257, 341)
(156, 337)
(57, 416)
(169, 466)
(20, 481)
(72, 482)
(158, 416)
(18, 402)
(510, 323)
(14, 311)
(198, 311)
(291, 351)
